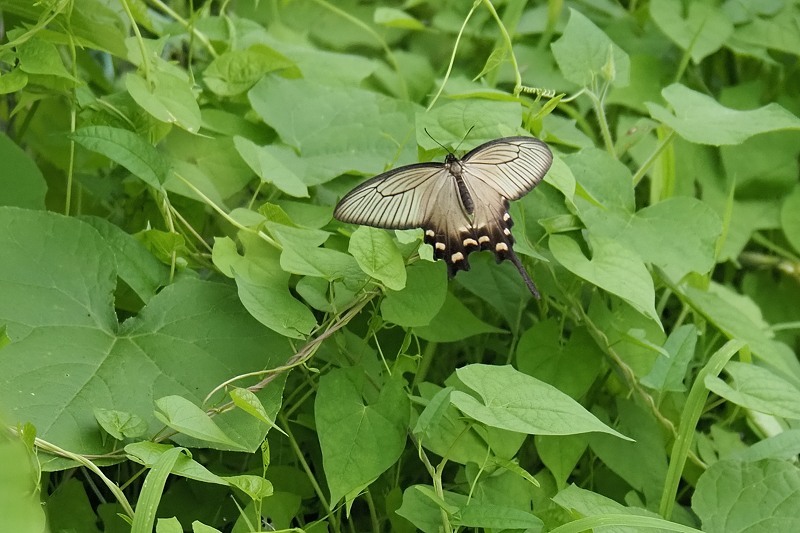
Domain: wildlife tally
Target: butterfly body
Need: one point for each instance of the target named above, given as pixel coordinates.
(461, 204)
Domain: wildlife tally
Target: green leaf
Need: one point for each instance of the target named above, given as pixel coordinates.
(337, 130)
(248, 402)
(235, 71)
(152, 490)
(701, 33)
(168, 525)
(758, 497)
(570, 366)
(560, 454)
(485, 515)
(420, 300)
(190, 337)
(37, 56)
(360, 439)
(698, 118)
(612, 268)
(433, 413)
(19, 497)
(501, 286)
(757, 388)
(267, 163)
(517, 402)
(13, 81)
(136, 265)
(69, 509)
(485, 120)
(496, 58)
(641, 462)
(182, 415)
(668, 373)
(679, 235)
(21, 180)
(738, 317)
(166, 97)
(126, 148)
(454, 322)
(120, 425)
(586, 55)
(331, 265)
(588, 503)
(424, 511)
(395, 18)
(378, 256)
(256, 488)
(263, 286)
(148, 454)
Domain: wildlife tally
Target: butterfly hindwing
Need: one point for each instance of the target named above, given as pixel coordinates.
(462, 205)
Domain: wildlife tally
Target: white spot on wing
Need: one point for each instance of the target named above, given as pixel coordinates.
(458, 256)
(501, 247)
(440, 246)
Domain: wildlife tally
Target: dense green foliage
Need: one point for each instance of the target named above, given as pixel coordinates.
(189, 341)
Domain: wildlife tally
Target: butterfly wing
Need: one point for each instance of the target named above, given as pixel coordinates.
(512, 166)
(402, 198)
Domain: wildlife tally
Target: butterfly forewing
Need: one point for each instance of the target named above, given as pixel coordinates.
(399, 199)
(428, 196)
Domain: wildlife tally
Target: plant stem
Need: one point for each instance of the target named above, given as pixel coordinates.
(652, 158)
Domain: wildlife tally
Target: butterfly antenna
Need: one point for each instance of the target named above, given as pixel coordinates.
(437, 142)
(464, 138)
(523, 273)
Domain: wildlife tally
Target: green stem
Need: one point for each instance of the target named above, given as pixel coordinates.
(600, 112)
(652, 158)
(453, 55)
(509, 45)
(299, 454)
(388, 51)
(188, 26)
(139, 40)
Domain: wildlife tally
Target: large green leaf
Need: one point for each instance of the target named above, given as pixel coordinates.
(264, 286)
(57, 276)
(21, 180)
(612, 267)
(763, 496)
(702, 32)
(517, 402)
(586, 55)
(420, 300)
(336, 130)
(360, 438)
(127, 149)
(378, 256)
(701, 119)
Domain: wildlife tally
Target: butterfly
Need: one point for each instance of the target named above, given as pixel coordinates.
(461, 204)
